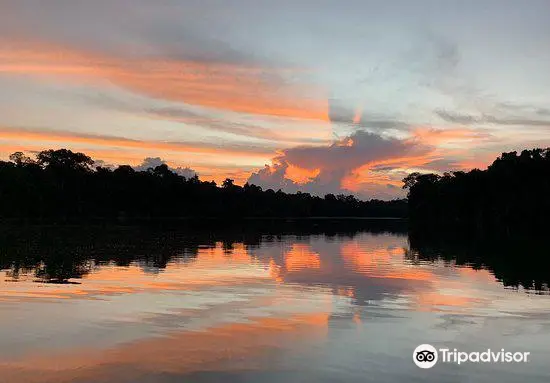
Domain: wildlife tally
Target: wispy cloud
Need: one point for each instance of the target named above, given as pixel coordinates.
(510, 120)
(435, 136)
(51, 136)
(223, 86)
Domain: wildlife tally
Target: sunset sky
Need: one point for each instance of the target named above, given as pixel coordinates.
(320, 96)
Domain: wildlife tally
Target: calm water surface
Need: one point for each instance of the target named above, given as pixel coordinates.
(130, 306)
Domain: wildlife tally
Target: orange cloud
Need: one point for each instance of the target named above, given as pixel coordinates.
(366, 175)
(126, 155)
(223, 86)
(326, 169)
(428, 140)
(95, 140)
(477, 160)
(356, 180)
(116, 156)
(434, 137)
(300, 175)
(358, 115)
(210, 161)
(218, 175)
(406, 161)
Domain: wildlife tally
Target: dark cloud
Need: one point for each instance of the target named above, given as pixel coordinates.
(183, 113)
(469, 119)
(338, 113)
(444, 165)
(436, 59)
(358, 149)
(378, 125)
(127, 28)
(522, 109)
(543, 112)
(211, 123)
(456, 118)
(222, 125)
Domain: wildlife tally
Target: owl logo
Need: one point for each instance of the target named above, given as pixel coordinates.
(425, 356)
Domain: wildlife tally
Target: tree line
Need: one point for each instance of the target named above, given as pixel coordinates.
(64, 185)
(511, 195)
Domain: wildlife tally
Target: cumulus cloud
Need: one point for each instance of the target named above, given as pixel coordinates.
(274, 177)
(334, 163)
(103, 164)
(153, 162)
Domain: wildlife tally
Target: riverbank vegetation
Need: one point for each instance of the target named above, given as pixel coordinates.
(61, 185)
(511, 195)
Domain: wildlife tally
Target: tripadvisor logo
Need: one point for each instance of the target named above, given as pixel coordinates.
(426, 356)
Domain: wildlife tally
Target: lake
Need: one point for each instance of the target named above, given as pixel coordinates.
(335, 302)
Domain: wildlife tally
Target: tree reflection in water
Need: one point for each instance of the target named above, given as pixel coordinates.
(64, 254)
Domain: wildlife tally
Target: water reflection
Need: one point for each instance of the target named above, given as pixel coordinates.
(135, 304)
(517, 262)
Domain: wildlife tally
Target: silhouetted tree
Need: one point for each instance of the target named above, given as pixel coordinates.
(228, 183)
(63, 185)
(20, 159)
(512, 194)
(64, 159)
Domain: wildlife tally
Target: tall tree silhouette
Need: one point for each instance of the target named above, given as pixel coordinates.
(64, 159)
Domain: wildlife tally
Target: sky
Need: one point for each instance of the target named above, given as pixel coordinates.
(319, 96)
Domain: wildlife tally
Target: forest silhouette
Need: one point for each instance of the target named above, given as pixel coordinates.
(60, 185)
(512, 195)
